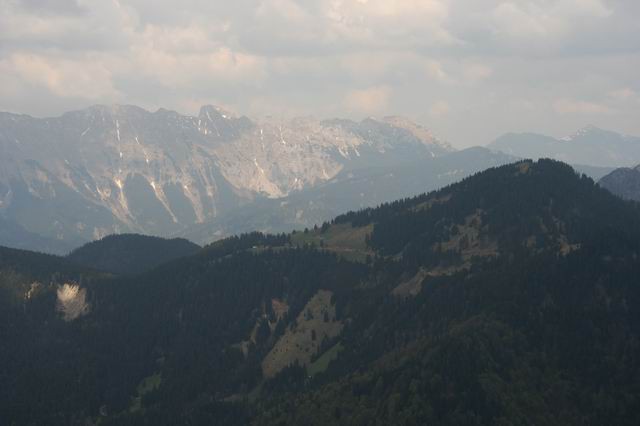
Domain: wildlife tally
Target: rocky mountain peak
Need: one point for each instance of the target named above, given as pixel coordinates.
(218, 124)
(419, 131)
(117, 168)
(587, 132)
(215, 111)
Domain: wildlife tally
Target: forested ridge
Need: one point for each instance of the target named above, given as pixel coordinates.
(511, 297)
(127, 254)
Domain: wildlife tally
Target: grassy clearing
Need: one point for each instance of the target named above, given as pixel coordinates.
(342, 239)
(411, 287)
(145, 386)
(469, 240)
(301, 341)
(322, 363)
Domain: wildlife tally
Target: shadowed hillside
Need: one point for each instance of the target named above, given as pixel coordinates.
(131, 253)
(623, 182)
(508, 298)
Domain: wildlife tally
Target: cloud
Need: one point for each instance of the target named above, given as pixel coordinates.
(326, 27)
(439, 109)
(543, 19)
(185, 70)
(457, 60)
(572, 106)
(371, 100)
(53, 7)
(515, 20)
(436, 71)
(102, 26)
(544, 27)
(475, 73)
(624, 94)
(62, 77)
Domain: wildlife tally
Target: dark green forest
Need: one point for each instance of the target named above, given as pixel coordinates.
(510, 298)
(127, 254)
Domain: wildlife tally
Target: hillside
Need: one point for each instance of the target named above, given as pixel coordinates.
(14, 235)
(131, 253)
(20, 267)
(508, 298)
(349, 190)
(623, 182)
(38, 292)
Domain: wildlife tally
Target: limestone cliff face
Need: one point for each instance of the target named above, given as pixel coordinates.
(111, 169)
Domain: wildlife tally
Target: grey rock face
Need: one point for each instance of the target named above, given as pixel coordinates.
(111, 169)
(349, 190)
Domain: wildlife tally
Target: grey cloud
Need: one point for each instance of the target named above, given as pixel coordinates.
(62, 7)
(37, 25)
(468, 69)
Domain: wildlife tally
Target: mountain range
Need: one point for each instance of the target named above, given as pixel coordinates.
(510, 297)
(589, 146)
(105, 170)
(349, 190)
(69, 180)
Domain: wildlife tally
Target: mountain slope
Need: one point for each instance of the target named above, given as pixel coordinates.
(37, 293)
(357, 189)
(113, 169)
(508, 298)
(624, 182)
(14, 235)
(349, 190)
(130, 253)
(589, 146)
(513, 338)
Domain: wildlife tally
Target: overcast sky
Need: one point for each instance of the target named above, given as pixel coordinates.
(469, 70)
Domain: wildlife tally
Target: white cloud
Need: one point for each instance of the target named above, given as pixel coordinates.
(436, 71)
(624, 94)
(582, 8)
(371, 100)
(475, 73)
(103, 25)
(180, 71)
(87, 78)
(390, 22)
(572, 106)
(514, 19)
(540, 18)
(369, 63)
(299, 56)
(439, 109)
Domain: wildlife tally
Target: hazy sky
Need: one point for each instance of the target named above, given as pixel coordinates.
(468, 69)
